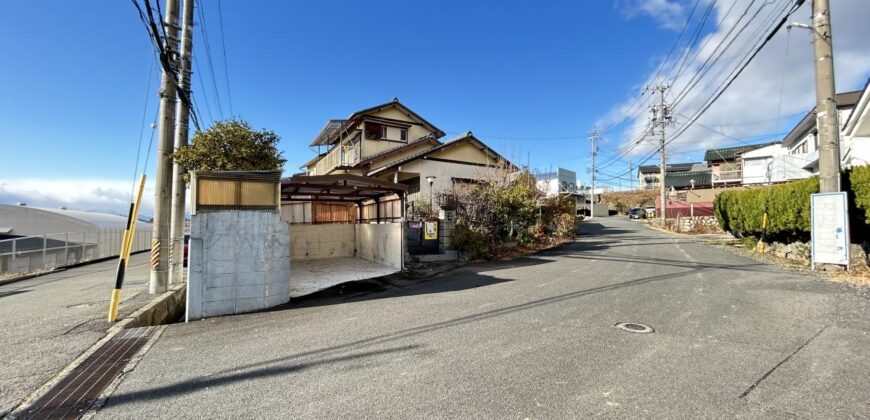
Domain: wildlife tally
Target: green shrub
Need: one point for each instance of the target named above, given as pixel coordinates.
(788, 206)
(741, 212)
(859, 182)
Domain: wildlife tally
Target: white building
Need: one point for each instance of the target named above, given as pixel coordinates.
(803, 140)
(772, 163)
(855, 135)
(562, 181)
(34, 238)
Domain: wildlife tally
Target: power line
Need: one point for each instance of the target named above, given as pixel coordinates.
(167, 62)
(207, 45)
(224, 50)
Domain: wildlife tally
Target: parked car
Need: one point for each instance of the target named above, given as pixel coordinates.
(636, 213)
(650, 212)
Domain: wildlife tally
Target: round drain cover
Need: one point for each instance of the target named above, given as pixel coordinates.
(634, 327)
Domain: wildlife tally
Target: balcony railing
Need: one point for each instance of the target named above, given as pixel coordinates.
(338, 156)
(728, 176)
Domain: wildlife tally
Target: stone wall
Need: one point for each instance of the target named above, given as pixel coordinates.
(688, 224)
(239, 261)
(322, 241)
(380, 243)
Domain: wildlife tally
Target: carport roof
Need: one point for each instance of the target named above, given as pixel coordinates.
(342, 188)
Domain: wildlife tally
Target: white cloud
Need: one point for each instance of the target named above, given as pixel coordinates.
(103, 195)
(668, 14)
(755, 96)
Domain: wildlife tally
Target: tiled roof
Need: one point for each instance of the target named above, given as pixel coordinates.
(684, 179)
(671, 167)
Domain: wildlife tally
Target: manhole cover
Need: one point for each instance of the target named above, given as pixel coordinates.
(634, 327)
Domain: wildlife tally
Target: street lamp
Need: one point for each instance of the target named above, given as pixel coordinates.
(431, 180)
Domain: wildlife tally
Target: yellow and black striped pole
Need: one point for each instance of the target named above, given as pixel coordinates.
(126, 247)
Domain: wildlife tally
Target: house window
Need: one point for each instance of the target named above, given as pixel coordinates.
(374, 131)
(383, 131)
(403, 134)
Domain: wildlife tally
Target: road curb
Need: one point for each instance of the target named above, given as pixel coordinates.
(164, 308)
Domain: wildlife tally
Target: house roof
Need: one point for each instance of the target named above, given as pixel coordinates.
(671, 167)
(400, 149)
(860, 105)
(684, 179)
(463, 138)
(333, 127)
(722, 154)
(808, 122)
(337, 188)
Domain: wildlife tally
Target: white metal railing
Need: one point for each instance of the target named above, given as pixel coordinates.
(30, 254)
(338, 156)
(727, 176)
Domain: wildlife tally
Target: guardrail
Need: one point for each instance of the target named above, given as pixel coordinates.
(29, 254)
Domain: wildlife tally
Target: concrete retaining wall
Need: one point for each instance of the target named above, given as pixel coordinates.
(380, 243)
(239, 261)
(322, 241)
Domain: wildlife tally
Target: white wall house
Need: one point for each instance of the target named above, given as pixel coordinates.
(803, 140)
(561, 181)
(772, 164)
(855, 135)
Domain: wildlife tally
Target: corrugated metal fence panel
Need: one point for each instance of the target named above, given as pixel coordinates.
(217, 192)
(254, 193)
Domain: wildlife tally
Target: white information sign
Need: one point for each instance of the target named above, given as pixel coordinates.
(830, 228)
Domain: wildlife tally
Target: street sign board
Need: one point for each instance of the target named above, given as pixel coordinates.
(830, 228)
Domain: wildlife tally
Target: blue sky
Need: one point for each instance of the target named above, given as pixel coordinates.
(529, 78)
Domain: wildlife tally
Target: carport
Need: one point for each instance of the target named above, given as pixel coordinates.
(326, 254)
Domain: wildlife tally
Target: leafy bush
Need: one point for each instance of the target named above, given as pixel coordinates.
(741, 212)
(501, 209)
(788, 207)
(859, 183)
(230, 145)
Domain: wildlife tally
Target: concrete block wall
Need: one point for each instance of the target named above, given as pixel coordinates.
(380, 243)
(322, 241)
(239, 261)
(445, 234)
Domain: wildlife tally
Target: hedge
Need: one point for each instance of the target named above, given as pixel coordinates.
(742, 211)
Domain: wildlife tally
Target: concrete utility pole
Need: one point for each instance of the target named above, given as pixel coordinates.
(593, 137)
(176, 263)
(827, 117)
(163, 187)
(661, 118)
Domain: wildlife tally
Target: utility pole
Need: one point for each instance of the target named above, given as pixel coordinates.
(827, 117)
(593, 137)
(661, 118)
(163, 187)
(176, 263)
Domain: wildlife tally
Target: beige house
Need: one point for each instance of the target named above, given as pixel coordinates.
(393, 143)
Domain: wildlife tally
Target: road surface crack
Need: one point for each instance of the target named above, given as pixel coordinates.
(782, 362)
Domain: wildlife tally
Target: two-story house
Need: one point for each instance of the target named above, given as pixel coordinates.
(393, 143)
(803, 140)
(648, 175)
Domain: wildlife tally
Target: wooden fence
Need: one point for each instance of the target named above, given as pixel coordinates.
(317, 213)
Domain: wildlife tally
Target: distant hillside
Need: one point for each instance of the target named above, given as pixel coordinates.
(623, 201)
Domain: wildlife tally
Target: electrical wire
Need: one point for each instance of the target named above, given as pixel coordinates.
(224, 50)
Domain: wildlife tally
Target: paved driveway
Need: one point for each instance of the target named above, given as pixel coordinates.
(533, 338)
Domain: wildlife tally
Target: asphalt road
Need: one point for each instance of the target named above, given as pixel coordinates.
(533, 338)
(47, 321)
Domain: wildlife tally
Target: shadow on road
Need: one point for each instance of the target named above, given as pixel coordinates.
(227, 378)
(399, 284)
